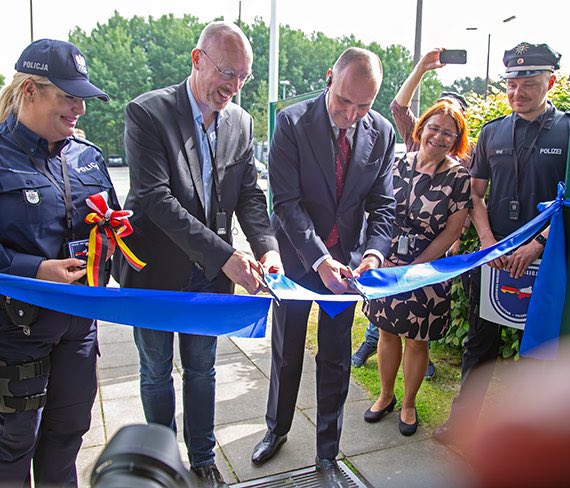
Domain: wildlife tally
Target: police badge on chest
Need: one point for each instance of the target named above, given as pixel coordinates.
(32, 196)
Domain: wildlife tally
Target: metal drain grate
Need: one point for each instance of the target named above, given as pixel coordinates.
(301, 478)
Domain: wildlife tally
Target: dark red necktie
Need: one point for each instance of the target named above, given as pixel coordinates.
(341, 169)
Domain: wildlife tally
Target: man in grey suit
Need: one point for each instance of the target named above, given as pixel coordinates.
(330, 169)
(191, 168)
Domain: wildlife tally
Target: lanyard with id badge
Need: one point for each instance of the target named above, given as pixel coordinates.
(514, 203)
(222, 224)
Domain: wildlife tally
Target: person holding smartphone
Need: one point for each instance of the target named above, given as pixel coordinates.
(406, 121)
(47, 358)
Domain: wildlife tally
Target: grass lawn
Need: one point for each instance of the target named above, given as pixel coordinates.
(435, 395)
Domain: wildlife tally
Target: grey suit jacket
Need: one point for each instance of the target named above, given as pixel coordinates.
(302, 177)
(167, 195)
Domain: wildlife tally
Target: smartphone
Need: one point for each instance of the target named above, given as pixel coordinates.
(453, 56)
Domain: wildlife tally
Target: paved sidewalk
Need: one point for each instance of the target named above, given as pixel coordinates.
(380, 455)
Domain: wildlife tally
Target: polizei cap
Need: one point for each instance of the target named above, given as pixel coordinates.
(527, 60)
(62, 64)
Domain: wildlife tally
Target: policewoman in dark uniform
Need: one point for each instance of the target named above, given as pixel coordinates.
(524, 157)
(47, 358)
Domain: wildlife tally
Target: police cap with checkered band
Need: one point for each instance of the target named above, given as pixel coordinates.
(527, 59)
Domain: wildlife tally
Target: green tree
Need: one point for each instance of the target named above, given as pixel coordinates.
(168, 43)
(2, 81)
(120, 68)
(130, 56)
(258, 110)
(465, 86)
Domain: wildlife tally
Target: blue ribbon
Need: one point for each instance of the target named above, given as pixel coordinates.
(246, 316)
(544, 316)
(193, 313)
(383, 282)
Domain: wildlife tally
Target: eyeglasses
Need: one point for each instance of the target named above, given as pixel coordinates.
(228, 74)
(446, 134)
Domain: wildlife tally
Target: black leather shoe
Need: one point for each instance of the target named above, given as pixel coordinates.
(267, 447)
(332, 475)
(210, 476)
(372, 417)
(408, 429)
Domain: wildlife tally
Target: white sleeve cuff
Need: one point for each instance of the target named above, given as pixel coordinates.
(318, 262)
(376, 253)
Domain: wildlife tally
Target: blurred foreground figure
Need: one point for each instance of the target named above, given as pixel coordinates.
(523, 440)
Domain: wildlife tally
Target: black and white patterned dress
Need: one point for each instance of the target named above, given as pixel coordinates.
(422, 314)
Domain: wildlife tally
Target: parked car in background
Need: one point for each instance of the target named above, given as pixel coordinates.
(400, 150)
(261, 169)
(115, 160)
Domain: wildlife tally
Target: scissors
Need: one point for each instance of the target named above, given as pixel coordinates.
(263, 279)
(357, 287)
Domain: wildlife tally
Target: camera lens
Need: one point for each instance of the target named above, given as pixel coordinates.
(141, 456)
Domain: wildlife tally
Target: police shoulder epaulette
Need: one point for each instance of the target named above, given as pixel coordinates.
(86, 142)
(494, 120)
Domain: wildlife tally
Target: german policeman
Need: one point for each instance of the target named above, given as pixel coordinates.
(47, 358)
(524, 155)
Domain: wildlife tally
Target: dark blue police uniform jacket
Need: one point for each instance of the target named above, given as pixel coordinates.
(34, 224)
(538, 178)
(33, 228)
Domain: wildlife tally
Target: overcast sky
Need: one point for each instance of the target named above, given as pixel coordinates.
(386, 22)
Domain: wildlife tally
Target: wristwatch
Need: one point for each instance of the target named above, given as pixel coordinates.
(540, 239)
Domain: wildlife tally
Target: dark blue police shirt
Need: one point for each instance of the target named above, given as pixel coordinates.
(33, 217)
(538, 179)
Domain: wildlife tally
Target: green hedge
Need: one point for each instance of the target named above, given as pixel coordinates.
(480, 111)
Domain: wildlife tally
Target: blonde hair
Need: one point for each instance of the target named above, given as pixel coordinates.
(12, 96)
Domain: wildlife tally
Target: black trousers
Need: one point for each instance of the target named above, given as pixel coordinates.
(52, 435)
(333, 367)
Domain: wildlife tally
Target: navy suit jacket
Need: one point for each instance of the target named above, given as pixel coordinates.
(302, 177)
(172, 232)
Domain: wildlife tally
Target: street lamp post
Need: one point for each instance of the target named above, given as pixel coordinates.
(32, 20)
(417, 54)
(238, 94)
(508, 19)
(284, 83)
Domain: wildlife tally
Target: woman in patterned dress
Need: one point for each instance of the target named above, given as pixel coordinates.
(433, 198)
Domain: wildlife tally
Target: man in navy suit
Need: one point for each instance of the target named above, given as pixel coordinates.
(330, 169)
